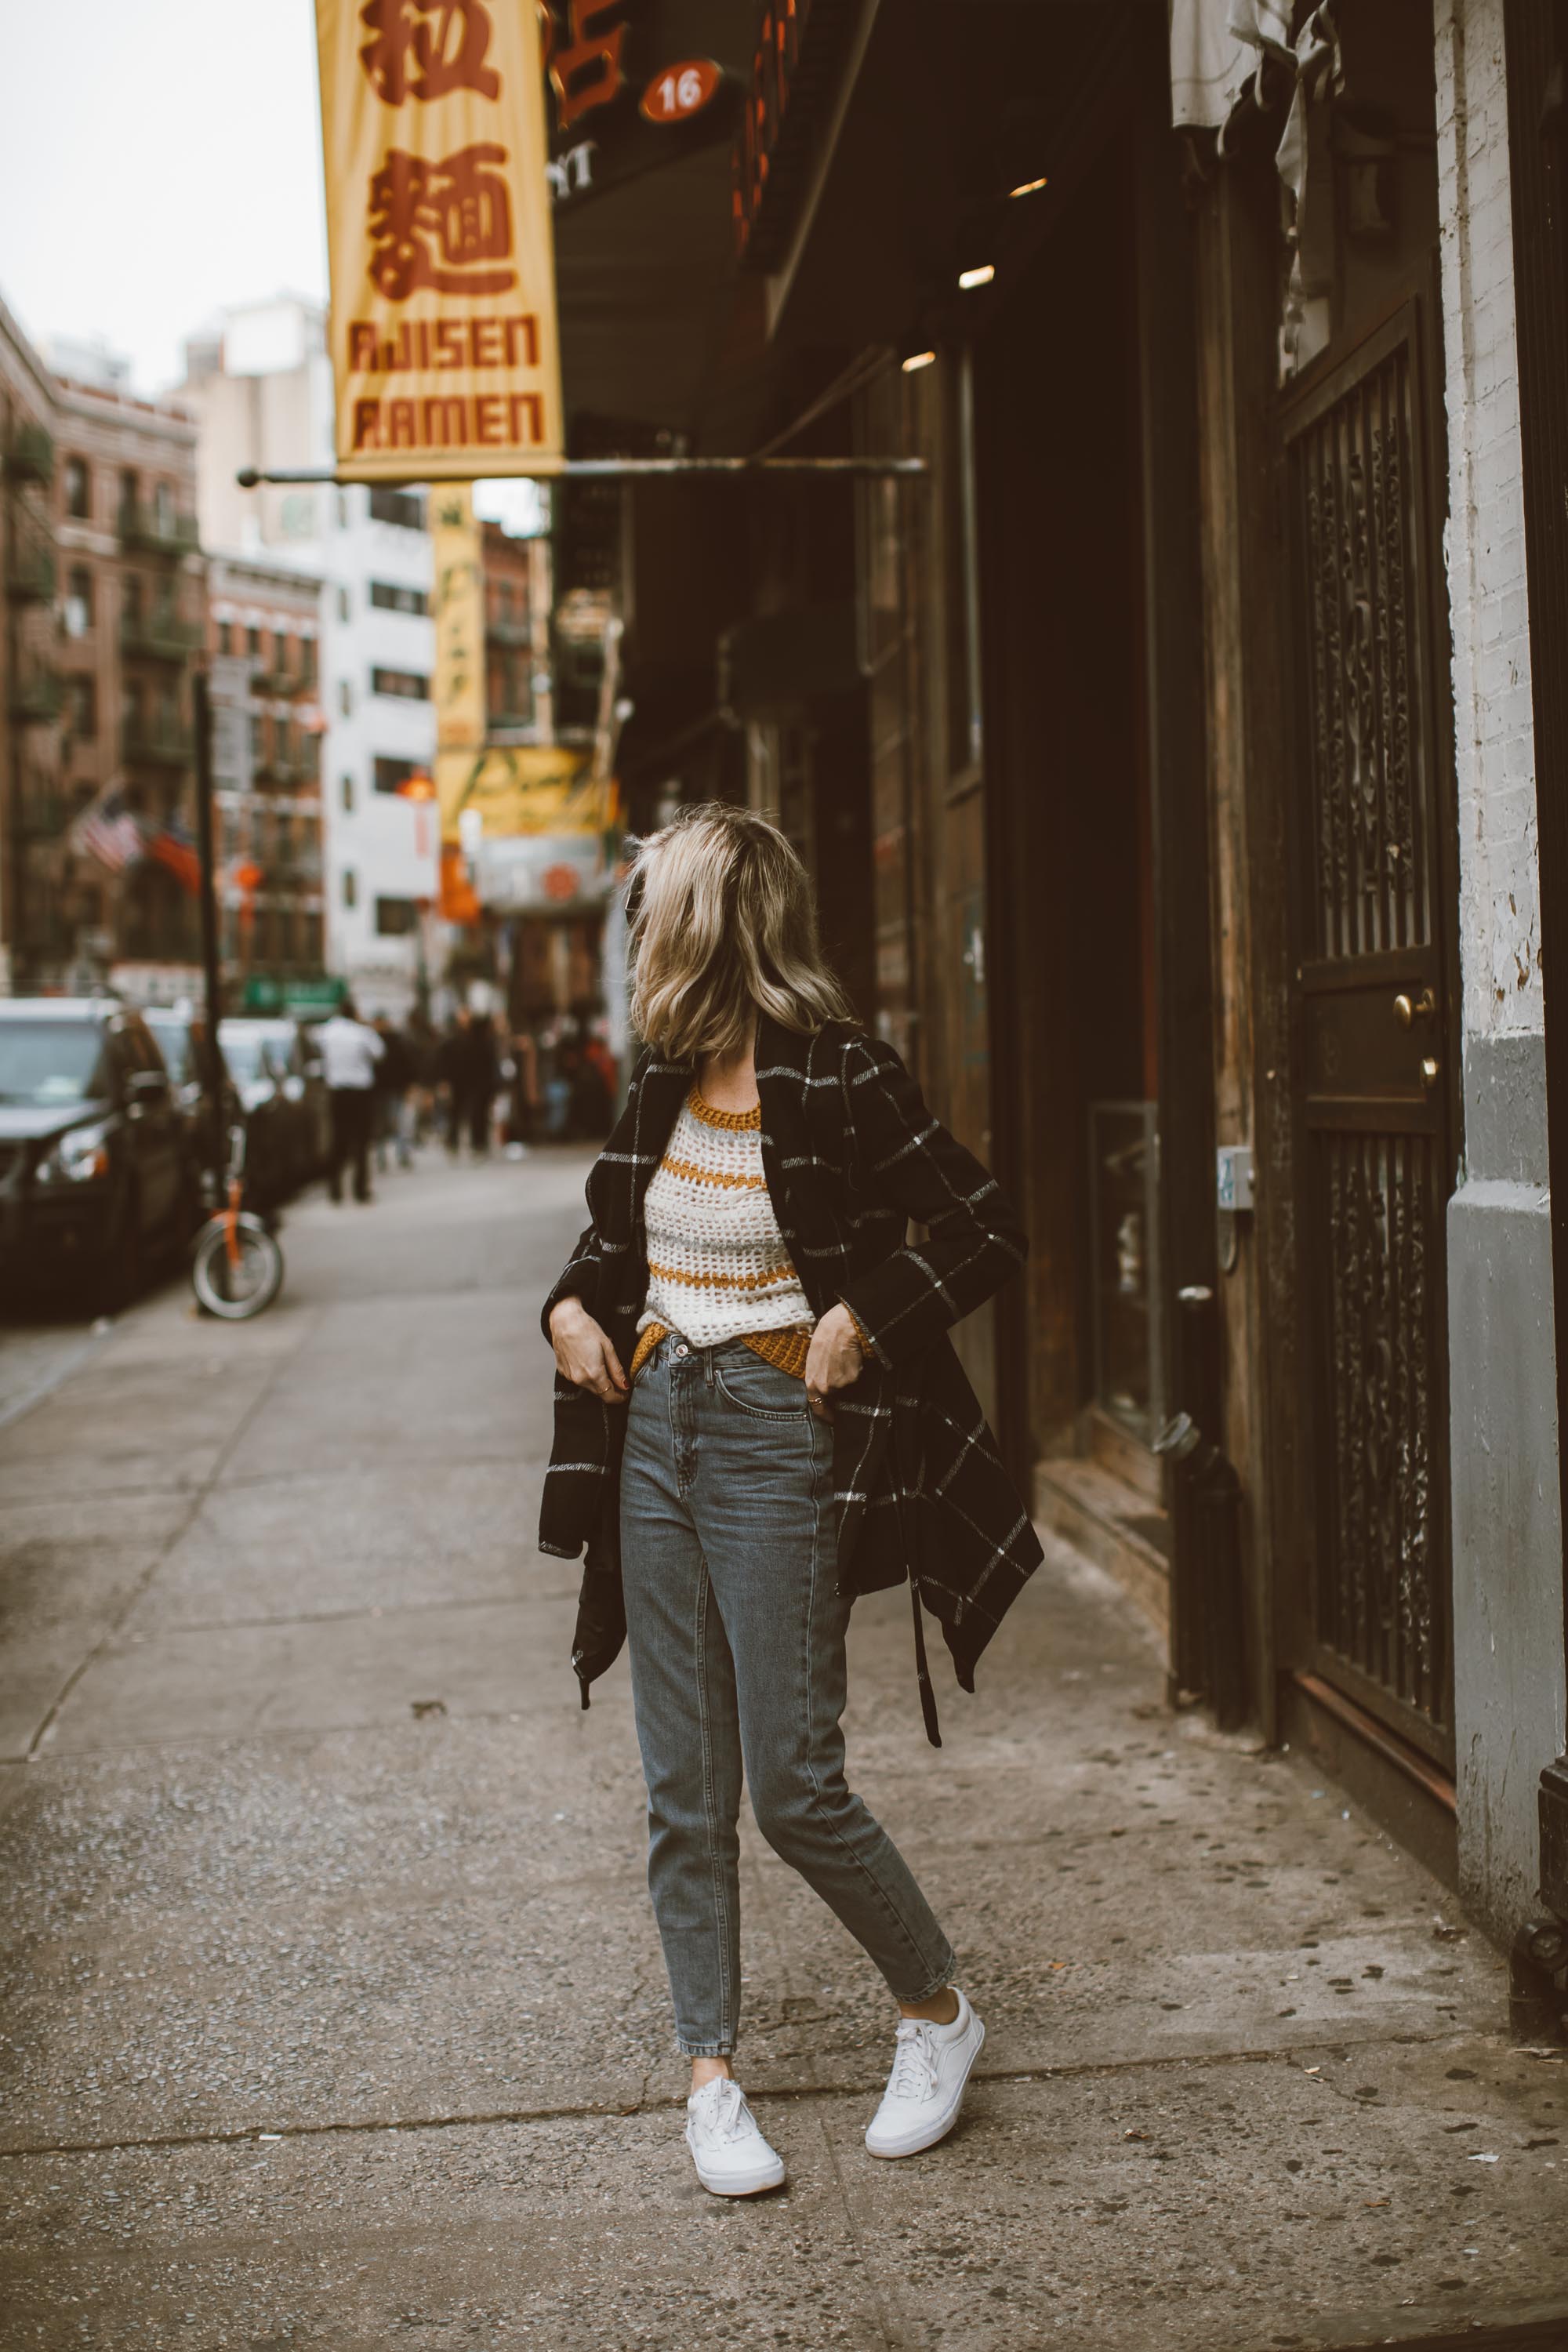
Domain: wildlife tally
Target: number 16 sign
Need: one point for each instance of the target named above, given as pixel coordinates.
(680, 92)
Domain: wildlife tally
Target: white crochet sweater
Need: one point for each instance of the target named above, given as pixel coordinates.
(718, 1266)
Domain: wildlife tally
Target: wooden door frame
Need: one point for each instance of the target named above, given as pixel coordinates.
(1238, 281)
(1175, 758)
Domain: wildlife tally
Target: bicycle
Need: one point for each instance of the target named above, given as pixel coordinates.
(237, 1265)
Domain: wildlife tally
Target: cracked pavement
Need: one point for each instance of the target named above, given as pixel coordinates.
(334, 2012)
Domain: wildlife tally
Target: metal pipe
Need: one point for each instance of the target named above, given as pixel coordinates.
(610, 469)
(211, 1066)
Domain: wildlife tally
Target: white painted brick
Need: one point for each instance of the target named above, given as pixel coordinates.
(1484, 543)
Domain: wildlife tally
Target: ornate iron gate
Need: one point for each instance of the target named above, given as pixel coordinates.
(1372, 1082)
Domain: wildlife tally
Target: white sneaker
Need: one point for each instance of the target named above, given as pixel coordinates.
(731, 2157)
(925, 2089)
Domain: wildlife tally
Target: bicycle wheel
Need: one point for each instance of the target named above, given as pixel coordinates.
(238, 1287)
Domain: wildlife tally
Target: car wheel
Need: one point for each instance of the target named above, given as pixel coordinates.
(119, 1282)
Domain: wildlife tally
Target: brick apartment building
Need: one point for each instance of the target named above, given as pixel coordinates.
(30, 799)
(518, 700)
(130, 590)
(103, 622)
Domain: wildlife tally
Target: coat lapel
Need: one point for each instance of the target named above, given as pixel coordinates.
(802, 1187)
(624, 1169)
(796, 1185)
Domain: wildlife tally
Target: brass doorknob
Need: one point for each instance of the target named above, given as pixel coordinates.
(1428, 1072)
(1408, 1010)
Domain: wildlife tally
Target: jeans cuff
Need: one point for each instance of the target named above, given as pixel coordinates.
(705, 2049)
(943, 1976)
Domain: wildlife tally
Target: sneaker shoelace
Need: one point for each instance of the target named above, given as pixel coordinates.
(723, 2116)
(914, 2061)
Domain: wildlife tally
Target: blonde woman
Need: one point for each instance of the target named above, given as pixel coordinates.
(759, 1416)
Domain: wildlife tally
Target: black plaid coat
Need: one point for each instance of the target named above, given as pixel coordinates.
(851, 1156)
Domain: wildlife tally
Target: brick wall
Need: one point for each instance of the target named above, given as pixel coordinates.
(1498, 923)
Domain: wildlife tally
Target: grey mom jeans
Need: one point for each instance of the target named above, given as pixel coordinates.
(735, 1631)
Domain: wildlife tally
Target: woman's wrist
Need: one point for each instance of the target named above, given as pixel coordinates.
(564, 1310)
(861, 1337)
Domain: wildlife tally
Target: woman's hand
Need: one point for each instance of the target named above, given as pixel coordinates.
(583, 1352)
(833, 1359)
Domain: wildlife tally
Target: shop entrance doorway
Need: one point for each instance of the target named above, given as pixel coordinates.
(1074, 1025)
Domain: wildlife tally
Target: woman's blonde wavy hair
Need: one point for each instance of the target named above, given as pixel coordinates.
(723, 926)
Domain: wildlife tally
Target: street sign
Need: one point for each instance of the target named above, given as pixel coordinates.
(544, 873)
(625, 96)
(680, 92)
(457, 609)
(261, 993)
(230, 692)
(535, 788)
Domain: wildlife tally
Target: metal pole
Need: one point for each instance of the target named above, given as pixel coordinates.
(212, 1088)
(613, 469)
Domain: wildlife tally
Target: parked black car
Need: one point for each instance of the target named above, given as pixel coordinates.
(176, 1031)
(95, 1174)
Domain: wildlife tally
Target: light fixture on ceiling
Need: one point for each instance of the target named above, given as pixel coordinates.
(970, 278)
(916, 360)
(1028, 187)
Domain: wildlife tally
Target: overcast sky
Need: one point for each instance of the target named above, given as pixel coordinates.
(161, 158)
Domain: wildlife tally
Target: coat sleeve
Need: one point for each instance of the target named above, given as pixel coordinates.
(578, 1278)
(904, 1159)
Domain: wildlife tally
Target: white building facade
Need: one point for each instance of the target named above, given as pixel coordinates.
(261, 389)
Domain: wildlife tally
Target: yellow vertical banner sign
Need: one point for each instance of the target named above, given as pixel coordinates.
(443, 320)
(459, 609)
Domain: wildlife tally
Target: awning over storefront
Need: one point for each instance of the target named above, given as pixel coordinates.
(835, 214)
(891, 172)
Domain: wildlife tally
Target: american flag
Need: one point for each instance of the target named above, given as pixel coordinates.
(110, 831)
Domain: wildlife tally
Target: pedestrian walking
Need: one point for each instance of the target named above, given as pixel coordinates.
(349, 1050)
(468, 1067)
(759, 1416)
(423, 1050)
(393, 1101)
(523, 1104)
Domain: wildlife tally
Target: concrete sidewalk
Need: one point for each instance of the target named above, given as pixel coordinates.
(334, 2010)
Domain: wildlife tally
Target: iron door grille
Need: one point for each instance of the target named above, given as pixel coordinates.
(1372, 1079)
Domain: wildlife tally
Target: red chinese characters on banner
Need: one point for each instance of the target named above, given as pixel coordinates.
(427, 48)
(441, 224)
(443, 326)
(585, 69)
